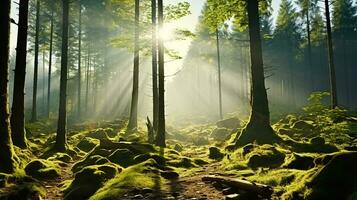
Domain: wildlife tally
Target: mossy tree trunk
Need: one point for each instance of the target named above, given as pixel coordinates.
(7, 163)
(331, 62)
(133, 120)
(18, 105)
(160, 139)
(154, 65)
(258, 128)
(62, 112)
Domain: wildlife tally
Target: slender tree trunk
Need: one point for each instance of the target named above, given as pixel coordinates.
(18, 105)
(50, 67)
(62, 112)
(79, 61)
(34, 92)
(87, 79)
(309, 49)
(258, 128)
(44, 107)
(7, 163)
(219, 75)
(333, 89)
(154, 65)
(160, 140)
(133, 120)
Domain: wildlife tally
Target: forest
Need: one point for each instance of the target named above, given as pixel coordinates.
(178, 99)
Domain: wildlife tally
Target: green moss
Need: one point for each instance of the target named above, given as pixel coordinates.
(265, 156)
(42, 169)
(24, 191)
(123, 157)
(87, 144)
(89, 160)
(184, 162)
(144, 157)
(298, 161)
(87, 181)
(143, 175)
(61, 157)
(215, 153)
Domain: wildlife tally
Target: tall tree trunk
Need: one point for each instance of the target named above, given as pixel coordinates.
(18, 105)
(258, 128)
(160, 140)
(133, 120)
(44, 108)
(154, 65)
(34, 92)
(333, 89)
(219, 75)
(87, 79)
(79, 61)
(62, 113)
(50, 67)
(7, 163)
(309, 48)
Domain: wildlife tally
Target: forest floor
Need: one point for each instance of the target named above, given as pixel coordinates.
(104, 161)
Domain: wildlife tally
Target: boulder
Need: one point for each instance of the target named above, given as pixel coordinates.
(302, 162)
(302, 125)
(265, 156)
(220, 134)
(123, 157)
(339, 176)
(42, 169)
(87, 144)
(215, 153)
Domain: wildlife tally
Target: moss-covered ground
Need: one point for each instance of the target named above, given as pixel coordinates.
(315, 159)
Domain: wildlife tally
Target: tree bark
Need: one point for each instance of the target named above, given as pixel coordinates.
(258, 128)
(79, 61)
(50, 67)
(62, 112)
(133, 120)
(7, 163)
(331, 62)
(160, 139)
(87, 80)
(18, 104)
(154, 65)
(35, 75)
(219, 75)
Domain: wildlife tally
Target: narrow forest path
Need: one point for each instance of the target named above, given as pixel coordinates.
(54, 187)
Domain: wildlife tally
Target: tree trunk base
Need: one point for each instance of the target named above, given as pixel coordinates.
(259, 133)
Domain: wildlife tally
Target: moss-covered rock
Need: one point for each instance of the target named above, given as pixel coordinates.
(184, 162)
(215, 153)
(90, 160)
(24, 191)
(339, 175)
(144, 157)
(317, 141)
(42, 169)
(123, 157)
(220, 134)
(61, 157)
(265, 156)
(302, 162)
(87, 181)
(143, 175)
(87, 144)
(302, 125)
(100, 134)
(230, 123)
